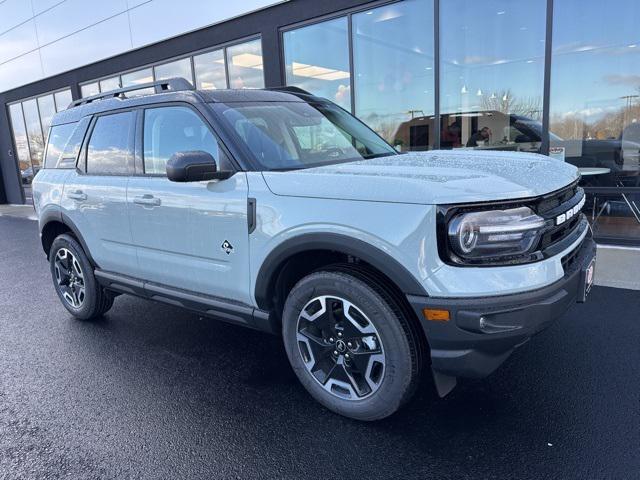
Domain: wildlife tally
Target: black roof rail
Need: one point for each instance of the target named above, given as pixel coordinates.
(171, 84)
(291, 89)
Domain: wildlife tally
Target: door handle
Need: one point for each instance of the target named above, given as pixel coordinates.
(77, 195)
(147, 200)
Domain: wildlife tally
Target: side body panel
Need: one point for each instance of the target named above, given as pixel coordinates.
(48, 188)
(97, 205)
(180, 240)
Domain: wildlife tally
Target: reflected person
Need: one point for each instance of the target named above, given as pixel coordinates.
(481, 136)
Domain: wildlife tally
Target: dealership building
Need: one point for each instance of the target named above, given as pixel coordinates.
(557, 77)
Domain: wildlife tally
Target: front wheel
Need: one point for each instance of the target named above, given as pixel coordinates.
(350, 345)
(74, 280)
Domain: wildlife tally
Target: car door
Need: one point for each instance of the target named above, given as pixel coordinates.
(95, 194)
(189, 236)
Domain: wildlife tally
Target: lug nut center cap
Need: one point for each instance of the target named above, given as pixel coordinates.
(341, 346)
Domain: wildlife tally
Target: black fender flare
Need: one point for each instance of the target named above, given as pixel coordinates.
(371, 254)
(61, 217)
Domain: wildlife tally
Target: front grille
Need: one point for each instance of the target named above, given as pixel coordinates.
(558, 233)
(553, 205)
(556, 199)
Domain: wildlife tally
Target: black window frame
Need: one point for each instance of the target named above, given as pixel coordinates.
(82, 163)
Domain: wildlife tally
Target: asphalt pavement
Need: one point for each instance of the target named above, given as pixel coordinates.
(152, 391)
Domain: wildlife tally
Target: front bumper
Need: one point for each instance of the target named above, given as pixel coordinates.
(483, 332)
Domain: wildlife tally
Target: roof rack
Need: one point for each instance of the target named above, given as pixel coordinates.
(171, 84)
(289, 89)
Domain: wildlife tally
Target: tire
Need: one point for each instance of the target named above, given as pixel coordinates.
(383, 365)
(74, 281)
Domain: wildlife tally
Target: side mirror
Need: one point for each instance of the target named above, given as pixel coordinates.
(195, 166)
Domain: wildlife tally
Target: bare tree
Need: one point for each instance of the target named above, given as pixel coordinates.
(506, 102)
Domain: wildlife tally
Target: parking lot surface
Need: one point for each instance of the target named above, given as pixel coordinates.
(152, 391)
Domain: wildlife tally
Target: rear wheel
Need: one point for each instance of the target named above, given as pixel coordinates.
(74, 280)
(350, 345)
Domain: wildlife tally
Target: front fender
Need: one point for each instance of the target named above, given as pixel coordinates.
(376, 255)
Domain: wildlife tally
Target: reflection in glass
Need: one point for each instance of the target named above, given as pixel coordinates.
(393, 67)
(179, 68)
(89, 89)
(34, 132)
(492, 74)
(317, 60)
(244, 62)
(108, 84)
(110, 145)
(284, 135)
(47, 108)
(595, 107)
(171, 130)
(20, 141)
(58, 138)
(210, 71)
(136, 78)
(63, 99)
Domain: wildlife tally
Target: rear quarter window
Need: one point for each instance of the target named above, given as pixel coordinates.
(64, 144)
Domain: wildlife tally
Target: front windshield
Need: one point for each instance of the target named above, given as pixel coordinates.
(294, 135)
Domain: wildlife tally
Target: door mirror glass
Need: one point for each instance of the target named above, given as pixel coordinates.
(194, 166)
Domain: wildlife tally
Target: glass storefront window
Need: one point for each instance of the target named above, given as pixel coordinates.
(136, 78)
(63, 99)
(210, 70)
(492, 71)
(244, 62)
(595, 108)
(34, 132)
(108, 84)
(22, 146)
(317, 60)
(393, 58)
(89, 89)
(179, 68)
(47, 108)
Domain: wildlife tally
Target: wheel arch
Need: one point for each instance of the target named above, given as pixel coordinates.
(57, 223)
(272, 266)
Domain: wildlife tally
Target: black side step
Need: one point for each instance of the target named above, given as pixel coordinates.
(219, 308)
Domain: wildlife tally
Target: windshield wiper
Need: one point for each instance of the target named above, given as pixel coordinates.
(286, 169)
(378, 155)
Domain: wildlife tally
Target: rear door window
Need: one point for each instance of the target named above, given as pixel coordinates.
(110, 148)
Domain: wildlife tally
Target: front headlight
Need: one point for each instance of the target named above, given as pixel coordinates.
(477, 236)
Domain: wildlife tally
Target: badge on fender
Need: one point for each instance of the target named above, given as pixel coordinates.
(227, 247)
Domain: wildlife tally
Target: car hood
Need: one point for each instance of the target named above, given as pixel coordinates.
(435, 177)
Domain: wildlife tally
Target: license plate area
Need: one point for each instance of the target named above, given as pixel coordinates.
(588, 275)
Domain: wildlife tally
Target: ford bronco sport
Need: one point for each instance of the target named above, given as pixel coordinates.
(278, 210)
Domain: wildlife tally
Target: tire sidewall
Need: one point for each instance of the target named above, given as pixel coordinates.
(89, 306)
(398, 363)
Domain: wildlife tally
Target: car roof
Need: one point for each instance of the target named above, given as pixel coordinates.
(101, 105)
(253, 95)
